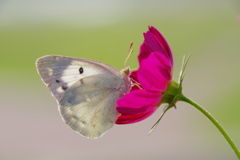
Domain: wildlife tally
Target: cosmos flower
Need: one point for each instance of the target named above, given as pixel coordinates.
(154, 76)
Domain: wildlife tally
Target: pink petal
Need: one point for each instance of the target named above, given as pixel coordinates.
(162, 42)
(154, 73)
(138, 101)
(154, 42)
(134, 75)
(136, 105)
(132, 118)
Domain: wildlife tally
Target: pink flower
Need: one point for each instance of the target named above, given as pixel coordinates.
(154, 75)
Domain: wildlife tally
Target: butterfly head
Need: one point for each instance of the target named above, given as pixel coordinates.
(126, 71)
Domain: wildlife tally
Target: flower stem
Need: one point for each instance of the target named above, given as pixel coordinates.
(214, 121)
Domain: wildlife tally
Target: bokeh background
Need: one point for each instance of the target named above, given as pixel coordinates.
(30, 125)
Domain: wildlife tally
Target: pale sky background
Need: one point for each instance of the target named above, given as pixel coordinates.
(97, 12)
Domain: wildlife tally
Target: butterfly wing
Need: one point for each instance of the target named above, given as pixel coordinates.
(59, 72)
(89, 105)
(86, 92)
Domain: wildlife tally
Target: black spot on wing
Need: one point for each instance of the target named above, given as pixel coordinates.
(64, 88)
(83, 122)
(75, 117)
(81, 70)
(57, 81)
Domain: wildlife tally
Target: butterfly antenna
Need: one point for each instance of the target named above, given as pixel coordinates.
(130, 51)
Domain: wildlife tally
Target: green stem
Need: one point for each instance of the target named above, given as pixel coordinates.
(214, 121)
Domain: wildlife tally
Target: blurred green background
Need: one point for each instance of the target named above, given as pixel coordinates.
(30, 125)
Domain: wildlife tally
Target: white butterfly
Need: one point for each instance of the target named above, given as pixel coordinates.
(86, 91)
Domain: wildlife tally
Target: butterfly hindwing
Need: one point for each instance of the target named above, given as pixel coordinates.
(89, 105)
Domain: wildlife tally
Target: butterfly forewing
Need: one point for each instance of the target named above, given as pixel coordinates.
(59, 72)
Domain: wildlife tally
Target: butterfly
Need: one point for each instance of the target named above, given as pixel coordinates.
(86, 91)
